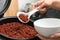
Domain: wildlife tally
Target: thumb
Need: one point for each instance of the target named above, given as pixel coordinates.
(56, 35)
(41, 6)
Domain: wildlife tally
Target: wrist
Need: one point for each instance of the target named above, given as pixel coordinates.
(49, 3)
(52, 3)
(55, 3)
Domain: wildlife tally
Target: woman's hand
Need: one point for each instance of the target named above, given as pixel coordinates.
(55, 36)
(43, 5)
(39, 4)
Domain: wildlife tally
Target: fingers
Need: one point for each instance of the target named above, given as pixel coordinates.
(42, 11)
(34, 5)
(44, 38)
(56, 35)
(39, 2)
(42, 8)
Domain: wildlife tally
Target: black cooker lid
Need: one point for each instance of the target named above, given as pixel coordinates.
(4, 4)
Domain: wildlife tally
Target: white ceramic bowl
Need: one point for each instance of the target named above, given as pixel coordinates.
(47, 26)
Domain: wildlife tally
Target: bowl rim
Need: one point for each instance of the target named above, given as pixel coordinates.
(44, 19)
